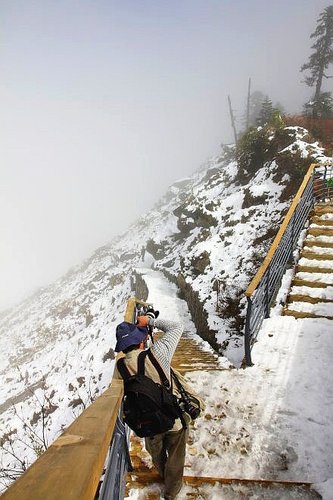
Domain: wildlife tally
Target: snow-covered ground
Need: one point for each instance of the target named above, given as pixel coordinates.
(208, 233)
(271, 421)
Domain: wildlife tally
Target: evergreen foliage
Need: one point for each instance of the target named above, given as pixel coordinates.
(320, 59)
(262, 112)
(263, 145)
(256, 100)
(322, 107)
(266, 112)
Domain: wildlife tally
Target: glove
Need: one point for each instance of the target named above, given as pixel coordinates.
(143, 321)
(151, 313)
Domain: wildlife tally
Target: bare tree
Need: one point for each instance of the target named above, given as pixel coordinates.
(232, 117)
(248, 105)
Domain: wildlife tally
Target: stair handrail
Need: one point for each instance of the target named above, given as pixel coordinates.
(97, 440)
(261, 291)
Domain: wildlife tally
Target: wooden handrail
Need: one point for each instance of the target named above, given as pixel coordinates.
(72, 466)
(261, 271)
(131, 304)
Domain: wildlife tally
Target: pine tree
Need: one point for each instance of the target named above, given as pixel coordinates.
(323, 106)
(321, 57)
(256, 100)
(266, 112)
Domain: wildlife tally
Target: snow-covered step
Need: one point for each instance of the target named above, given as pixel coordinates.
(309, 265)
(309, 284)
(322, 237)
(323, 220)
(316, 279)
(149, 486)
(320, 209)
(306, 298)
(319, 242)
(309, 310)
(317, 253)
(319, 310)
(311, 294)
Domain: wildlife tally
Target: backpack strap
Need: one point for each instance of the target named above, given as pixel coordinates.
(125, 373)
(163, 378)
(141, 363)
(122, 368)
(159, 369)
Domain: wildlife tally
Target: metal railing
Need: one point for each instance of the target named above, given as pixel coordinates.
(118, 462)
(317, 186)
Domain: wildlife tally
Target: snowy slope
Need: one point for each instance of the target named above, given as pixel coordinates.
(208, 234)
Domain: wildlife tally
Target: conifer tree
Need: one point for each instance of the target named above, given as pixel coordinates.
(321, 57)
(256, 100)
(323, 107)
(266, 112)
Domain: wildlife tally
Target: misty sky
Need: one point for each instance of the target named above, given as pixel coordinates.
(105, 103)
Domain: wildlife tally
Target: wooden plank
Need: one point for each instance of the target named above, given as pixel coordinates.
(151, 476)
(323, 209)
(306, 298)
(318, 243)
(72, 466)
(306, 254)
(256, 280)
(321, 222)
(302, 315)
(316, 270)
(320, 231)
(313, 284)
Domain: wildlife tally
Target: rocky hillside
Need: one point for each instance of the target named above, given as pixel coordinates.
(208, 234)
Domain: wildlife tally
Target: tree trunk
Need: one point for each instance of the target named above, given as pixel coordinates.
(248, 104)
(232, 120)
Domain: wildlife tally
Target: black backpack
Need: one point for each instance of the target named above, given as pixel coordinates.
(149, 408)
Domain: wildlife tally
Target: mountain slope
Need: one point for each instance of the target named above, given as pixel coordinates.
(208, 234)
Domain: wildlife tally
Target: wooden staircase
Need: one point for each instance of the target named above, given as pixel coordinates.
(311, 294)
(189, 356)
(146, 483)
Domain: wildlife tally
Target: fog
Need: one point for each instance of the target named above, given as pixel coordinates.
(105, 103)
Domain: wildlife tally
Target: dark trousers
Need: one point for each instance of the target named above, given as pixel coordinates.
(168, 454)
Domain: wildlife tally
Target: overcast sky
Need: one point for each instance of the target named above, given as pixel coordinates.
(105, 103)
